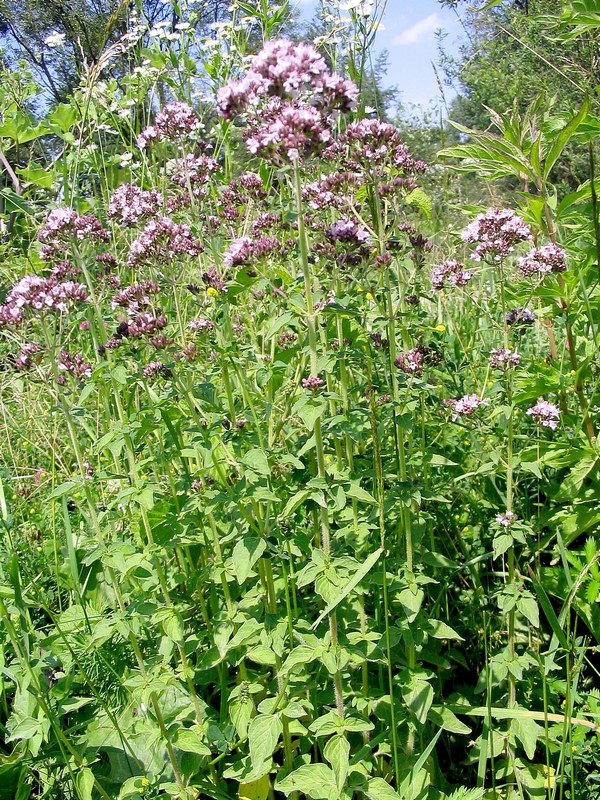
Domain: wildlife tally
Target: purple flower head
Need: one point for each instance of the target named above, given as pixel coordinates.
(373, 146)
(162, 239)
(129, 204)
(73, 365)
(542, 261)
(40, 294)
(246, 250)
(191, 170)
(347, 231)
(63, 225)
(201, 325)
(520, 317)
(450, 273)
(502, 358)
(290, 72)
(27, 354)
(413, 361)
(175, 121)
(465, 406)
(136, 296)
(496, 232)
(145, 324)
(156, 369)
(545, 414)
(313, 383)
(506, 519)
(288, 132)
(330, 191)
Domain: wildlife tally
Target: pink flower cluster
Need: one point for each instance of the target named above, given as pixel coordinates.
(373, 146)
(330, 191)
(63, 225)
(543, 260)
(506, 519)
(287, 131)
(502, 357)
(452, 273)
(73, 365)
(156, 369)
(246, 250)
(289, 71)
(347, 231)
(145, 324)
(201, 324)
(496, 232)
(40, 294)
(129, 204)
(191, 170)
(175, 121)
(465, 406)
(413, 360)
(136, 296)
(545, 414)
(26, 356)
(313, 383)
(161, 239)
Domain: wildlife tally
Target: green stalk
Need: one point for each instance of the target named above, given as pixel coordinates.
(318, 435)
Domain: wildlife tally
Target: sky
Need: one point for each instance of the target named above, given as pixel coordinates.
(409, 36)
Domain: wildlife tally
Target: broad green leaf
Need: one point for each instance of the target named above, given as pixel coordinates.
(255, 790)
(314, 780)
(446, 719)
(256, 461)
(352, 584)
(378, 789)
(528, 732)
(561, 139)
(263, 735)
(245, 555)
(337, 752)
(192, 740)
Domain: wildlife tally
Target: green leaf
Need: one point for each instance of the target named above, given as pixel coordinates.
(502, 543)
(440, 630)
(263, 735)
(418, 696)
(421, 200)
(352, 583)
(446, 719)
(85, 783)
(309, 410)
(303, 654)
(528, 607)
(245, 555)
(528, 732)
(314, 780)
(257, 462)
(358, 493)
(192, 740)
(378, 789)
(563, 137)
(337, 752)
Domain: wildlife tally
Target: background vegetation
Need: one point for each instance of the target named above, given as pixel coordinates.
(299, 476)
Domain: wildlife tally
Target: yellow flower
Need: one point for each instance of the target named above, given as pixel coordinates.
(212, 292)
(145, 782)
(32, 510)
(369, 296)
(440, 328)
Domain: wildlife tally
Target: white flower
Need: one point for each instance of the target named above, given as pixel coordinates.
(55, 39)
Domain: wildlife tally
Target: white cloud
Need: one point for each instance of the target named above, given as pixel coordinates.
(419, 30)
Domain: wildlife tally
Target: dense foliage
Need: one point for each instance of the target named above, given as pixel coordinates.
(300, 469)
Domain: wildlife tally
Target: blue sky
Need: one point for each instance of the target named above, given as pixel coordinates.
(409, 36)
